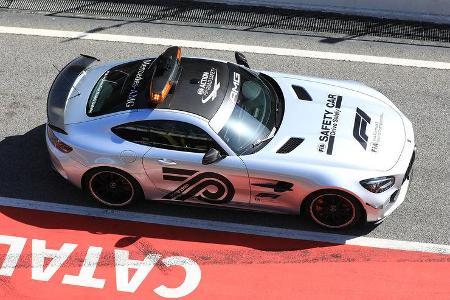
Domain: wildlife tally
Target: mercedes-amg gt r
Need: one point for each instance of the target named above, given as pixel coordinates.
(199, 130)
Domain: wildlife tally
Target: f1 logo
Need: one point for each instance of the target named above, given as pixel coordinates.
(359, 129)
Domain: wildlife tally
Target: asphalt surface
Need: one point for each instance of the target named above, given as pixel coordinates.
(26, 73)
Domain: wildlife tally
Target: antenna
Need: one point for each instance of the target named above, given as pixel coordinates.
(68, 81)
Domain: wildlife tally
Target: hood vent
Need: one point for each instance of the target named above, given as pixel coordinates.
(290, 145)
(302, 94)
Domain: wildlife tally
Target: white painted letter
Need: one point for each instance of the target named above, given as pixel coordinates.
(86, 276)
(123, 264)
(192, 279)
(16, 245)
(39, 253)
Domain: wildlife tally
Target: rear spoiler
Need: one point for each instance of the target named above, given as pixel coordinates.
(60, 90)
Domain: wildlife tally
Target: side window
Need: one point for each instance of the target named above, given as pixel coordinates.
(172, 135)
(180, 136)
(136, 132)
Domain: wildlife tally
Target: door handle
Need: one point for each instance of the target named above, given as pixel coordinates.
(166, 162)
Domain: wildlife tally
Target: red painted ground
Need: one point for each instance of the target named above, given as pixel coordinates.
(233, 266)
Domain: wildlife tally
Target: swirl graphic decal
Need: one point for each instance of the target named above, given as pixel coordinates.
(207, 186)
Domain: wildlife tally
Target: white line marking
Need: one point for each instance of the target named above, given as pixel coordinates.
(227, 47)
(224, 226)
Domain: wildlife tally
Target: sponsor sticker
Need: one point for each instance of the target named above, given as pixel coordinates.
(329, 124)
(228, 105)
(97, 93)
(235, 90)
(196, 187)
(376, 135)
(365, 128)
(362, 120)
(208, 86)
(131, 100)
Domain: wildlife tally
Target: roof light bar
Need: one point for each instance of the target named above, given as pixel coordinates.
(168, 65)
(158, 97)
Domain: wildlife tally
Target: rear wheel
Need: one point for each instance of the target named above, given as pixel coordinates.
(112, 187)
(334, 210)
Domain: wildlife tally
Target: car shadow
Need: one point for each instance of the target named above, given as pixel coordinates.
(136, 233)
(26, 174)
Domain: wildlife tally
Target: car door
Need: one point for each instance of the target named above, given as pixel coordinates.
(174, 165)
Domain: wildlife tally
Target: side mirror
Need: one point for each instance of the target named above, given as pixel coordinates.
(240, 59)
(211, 156)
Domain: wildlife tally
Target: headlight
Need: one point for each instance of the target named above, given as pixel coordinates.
(379, 184)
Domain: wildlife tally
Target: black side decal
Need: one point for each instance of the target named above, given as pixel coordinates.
(279, 187)
(338, 101)
(330, 145)
(267, 195)
(197, 187)
(359, 129)
(174, 174)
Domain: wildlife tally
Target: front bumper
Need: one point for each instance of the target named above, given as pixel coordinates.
(379, 206)
(399, 198)
(395, 198)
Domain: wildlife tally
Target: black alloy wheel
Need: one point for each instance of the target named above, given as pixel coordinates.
(334, 211)
(112, 188)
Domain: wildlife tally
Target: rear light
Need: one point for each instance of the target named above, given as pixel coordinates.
(57, 142)
(158, 97)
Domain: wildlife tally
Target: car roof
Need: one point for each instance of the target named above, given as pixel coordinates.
(196, 82)
(200, 89)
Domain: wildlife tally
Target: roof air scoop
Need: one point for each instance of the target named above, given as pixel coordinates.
(302, 94)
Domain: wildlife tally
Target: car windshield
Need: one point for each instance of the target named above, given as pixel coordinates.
(247, 116)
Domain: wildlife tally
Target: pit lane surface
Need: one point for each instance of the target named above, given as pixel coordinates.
(47, 255)
(422, 94)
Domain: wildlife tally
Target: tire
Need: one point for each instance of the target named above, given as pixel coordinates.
(333, 209)
(112, 187)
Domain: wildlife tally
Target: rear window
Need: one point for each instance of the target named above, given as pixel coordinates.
(121, 88)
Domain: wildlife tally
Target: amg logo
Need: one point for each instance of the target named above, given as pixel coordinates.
(235, 91)
(359, 129)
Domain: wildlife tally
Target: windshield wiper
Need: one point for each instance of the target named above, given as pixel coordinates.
(276, 111)
(270, 136)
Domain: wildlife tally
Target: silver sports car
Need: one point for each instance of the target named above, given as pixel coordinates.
(199, 130)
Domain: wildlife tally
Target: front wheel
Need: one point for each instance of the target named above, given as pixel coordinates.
(112, 187)
(334, 210)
